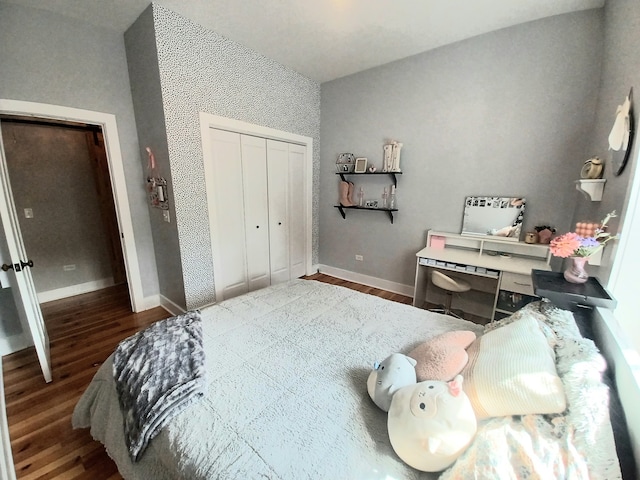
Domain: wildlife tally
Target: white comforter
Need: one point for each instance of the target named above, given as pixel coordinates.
(287, 398)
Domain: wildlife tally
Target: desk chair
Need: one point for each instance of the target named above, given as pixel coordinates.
(451, 286)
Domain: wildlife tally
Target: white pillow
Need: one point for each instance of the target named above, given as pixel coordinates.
(511, 371)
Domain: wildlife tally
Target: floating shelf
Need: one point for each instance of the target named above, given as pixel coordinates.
(592, 189)
(356, 207)
(391, 174)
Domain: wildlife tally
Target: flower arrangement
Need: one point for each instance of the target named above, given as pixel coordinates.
(579, 244)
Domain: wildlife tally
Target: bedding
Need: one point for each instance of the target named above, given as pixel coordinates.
(158, 372)
(286, 373)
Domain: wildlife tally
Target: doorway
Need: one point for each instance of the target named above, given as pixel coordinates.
(63, 196)
(109, 127)
(60, 189)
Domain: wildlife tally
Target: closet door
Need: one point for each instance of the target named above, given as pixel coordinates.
(278, 174)
(228, 208)
(256, 210)
(297, 213)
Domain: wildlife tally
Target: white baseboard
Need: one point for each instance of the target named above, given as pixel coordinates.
(72, 290)
(15, 343)
(169, 306)
(159, 300)
(406, 290)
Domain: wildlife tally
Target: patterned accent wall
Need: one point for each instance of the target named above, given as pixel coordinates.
(201, 70)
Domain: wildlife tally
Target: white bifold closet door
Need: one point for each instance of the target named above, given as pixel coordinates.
(256, 210)
(259, 211)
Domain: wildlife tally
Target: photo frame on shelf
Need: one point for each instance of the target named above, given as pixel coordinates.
(361, 165)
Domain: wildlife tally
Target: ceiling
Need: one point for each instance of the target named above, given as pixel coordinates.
(328, 39)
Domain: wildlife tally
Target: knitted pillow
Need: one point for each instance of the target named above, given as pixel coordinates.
(511, 371)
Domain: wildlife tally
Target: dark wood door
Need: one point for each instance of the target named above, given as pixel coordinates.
(98, 158)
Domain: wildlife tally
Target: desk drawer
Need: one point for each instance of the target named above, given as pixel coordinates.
(516, 282)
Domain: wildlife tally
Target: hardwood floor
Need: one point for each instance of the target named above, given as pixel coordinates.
(83, 331)
(396, 297)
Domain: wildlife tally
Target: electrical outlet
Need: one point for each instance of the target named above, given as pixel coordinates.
(28, 213)
(165, 215)
(360, 258)
(68, 268)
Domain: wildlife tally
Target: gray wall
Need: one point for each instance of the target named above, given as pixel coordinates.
(51, 174)
(507, 113)
(201, 70)
(142, 56)
(620, 72)
(51, 59)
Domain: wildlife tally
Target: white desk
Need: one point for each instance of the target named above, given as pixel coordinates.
(500, 283)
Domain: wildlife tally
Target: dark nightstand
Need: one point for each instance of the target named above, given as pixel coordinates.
(569, 296)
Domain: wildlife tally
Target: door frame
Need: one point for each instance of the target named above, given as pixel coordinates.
(208, 121)
(116, 170)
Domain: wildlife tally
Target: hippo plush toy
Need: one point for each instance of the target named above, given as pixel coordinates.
(394, 372)
(431, 423)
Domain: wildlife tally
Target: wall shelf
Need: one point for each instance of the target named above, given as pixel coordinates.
(592, 189)
(356, 207)
(389, 211)
(391, 174)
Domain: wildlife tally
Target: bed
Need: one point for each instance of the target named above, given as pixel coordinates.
(286, 376)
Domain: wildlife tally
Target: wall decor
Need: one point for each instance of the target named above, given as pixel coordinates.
(346, 163)
(592, 168)
(391, 156)
(621, 134)
(156, 184)
(361, 165)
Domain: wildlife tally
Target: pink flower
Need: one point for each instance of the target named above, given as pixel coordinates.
(565, 245)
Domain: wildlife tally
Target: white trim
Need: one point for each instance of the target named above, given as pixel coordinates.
(622, 279)
(624, 360)
(15, 343)
(169, 306)
(208, 121)
(116, 170)
(7, 470)
(399, 288)
(73, 290)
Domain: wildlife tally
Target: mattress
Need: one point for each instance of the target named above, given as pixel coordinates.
(286, 372)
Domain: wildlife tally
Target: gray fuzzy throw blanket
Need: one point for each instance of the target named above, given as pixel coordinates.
(158, 372)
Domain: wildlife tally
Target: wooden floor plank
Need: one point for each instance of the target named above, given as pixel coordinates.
(83, 330)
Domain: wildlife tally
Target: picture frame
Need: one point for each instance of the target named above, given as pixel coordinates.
(361, 165)
(371, 203)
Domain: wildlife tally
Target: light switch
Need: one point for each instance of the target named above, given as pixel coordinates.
(28, 213)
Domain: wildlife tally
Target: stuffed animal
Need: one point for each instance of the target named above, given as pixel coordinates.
(443, 356)
(431, 423)
(394, 372)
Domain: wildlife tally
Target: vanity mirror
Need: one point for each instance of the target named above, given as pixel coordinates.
(493, 216)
